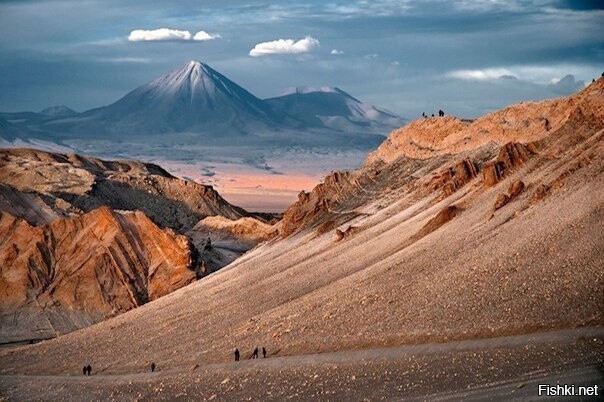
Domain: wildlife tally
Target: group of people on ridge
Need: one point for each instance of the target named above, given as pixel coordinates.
(440, 114)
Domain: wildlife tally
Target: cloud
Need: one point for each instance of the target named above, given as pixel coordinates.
(161, 34)
(124, 60)
(167, 34)
(480, 75)
(537, 74)
(284, 46)
(203, 35)
(336, 52)
(566, 85)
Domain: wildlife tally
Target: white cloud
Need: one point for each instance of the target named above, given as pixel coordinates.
(479, 75)
(538, 74)
(336, 52)
(284, 46)
(167, 34)
(203, 35)
(142, 35)
(124, 60)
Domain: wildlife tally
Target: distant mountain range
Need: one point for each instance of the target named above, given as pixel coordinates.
(196, 99)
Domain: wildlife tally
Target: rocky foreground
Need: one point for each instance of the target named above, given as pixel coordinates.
(452, 230)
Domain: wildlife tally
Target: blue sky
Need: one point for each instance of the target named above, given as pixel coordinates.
(467, 57)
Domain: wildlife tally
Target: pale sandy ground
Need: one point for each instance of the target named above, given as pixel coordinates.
(507, 368)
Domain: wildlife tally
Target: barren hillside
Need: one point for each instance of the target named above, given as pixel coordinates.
(477, 230)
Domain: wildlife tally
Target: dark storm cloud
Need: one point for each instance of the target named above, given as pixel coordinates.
(422, 53)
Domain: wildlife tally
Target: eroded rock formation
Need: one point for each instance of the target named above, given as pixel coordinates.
(76, 271)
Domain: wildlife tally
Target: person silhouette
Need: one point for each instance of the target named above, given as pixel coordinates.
(89, 369)
(152, 367)
(237, 355)
(84, 370)
(255, 354)
(263, 353)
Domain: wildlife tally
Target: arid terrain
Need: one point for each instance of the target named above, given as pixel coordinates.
(453, 231)
(83, 239)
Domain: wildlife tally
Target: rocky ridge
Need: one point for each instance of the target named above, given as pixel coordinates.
(442, 154)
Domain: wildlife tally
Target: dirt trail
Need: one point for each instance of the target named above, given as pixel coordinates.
(502, 368)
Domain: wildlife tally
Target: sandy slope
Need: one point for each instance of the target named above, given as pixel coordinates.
(530, 266)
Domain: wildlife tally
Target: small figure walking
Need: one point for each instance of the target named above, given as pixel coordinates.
(84, 370)
(89, 369)
(152, 367)
(255, 354)
(237, 355)
(263, 352)
(441, 113)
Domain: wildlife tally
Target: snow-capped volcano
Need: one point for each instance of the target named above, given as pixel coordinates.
(336, 109)
(193, 98)
(195, 104)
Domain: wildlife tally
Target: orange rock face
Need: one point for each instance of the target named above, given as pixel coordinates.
(309, 205)
(73, 272)
(452, 178)
(511, 155)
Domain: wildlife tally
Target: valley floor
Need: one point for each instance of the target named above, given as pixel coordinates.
(504, 368)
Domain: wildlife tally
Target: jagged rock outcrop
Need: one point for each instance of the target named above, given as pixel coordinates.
(510, 156)
(77, 271)
(72, 184)
(452, 178)
(318, 201)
